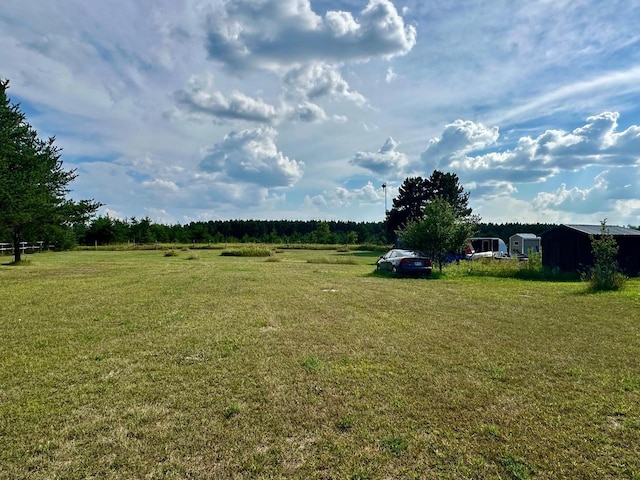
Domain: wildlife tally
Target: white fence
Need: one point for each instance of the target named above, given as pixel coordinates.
(25, 247)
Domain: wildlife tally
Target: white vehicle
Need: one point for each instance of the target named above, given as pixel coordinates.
(486, 247)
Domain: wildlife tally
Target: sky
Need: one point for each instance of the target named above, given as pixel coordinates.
(204, 110)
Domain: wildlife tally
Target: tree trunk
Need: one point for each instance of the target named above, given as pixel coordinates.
(16, 246)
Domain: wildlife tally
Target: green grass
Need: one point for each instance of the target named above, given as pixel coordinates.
(248, 251)
(136, 365)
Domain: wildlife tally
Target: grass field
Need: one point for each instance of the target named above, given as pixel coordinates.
(307, 364)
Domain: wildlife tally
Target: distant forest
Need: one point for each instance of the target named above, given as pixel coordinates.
(107, 230)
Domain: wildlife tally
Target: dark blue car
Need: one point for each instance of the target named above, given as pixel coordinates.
(405, 262)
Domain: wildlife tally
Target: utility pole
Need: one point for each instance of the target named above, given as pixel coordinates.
(384, 187)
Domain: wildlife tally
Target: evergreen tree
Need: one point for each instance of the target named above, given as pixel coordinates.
(415, 193)
(33, 182)
(605, 274)
(447, 186)
(408, 205)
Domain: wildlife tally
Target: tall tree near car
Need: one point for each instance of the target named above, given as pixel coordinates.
(415, 193)
(439, 232)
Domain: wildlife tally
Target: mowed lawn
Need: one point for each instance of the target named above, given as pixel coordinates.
(139, 365)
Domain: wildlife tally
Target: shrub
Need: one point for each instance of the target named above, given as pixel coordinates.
(170, 253)
(249, 251)
(605, 274)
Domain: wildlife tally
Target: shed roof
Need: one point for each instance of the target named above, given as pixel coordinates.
(525, 235)
(597, 230)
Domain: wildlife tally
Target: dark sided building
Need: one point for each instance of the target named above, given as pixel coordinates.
(568, 247)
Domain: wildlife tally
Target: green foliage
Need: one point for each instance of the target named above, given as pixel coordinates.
(395, 445)
(344, 424)
(248, 251)
(352, 238)
(289, 233)
(605, 273)
(62, 237)
(531, 269)
(408, 205)
(322, 233)
(311, 364)
(231, 411)
(415, 193)
(447, 187)
(439, 232)
(107, 230)
(33, 182)
(335, 260)
(517, 467)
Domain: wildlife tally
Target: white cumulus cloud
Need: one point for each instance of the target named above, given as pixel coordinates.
(387, 160)
(317, 80)
(200, 98)
(272, 34)
(251, 156)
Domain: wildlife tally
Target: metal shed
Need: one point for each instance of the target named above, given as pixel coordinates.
(523, 244)
(568, 248)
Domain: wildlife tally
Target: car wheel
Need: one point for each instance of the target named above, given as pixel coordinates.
(394, 269)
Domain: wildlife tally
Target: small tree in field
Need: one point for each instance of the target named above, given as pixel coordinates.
(33, 183)
(440, 231)
(605, 274)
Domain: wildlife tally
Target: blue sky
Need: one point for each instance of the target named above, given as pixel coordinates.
(298, 109)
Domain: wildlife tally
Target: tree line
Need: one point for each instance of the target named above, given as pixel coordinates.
(432, 212)
(105, 230)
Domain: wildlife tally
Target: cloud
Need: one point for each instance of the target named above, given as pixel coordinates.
(317, 201)
(568, 199)
(457, 139)
(235, 106)
(387, 160)
(491, 172)
(306, 112)
(251, 156)
(272, 34)
(161, 185)
(340, 198)
(367, 194)
(615, 186)
(317, 80)
(603, 85)
(200, 98)
(492, 189)
(391, 75)
(534, 159)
